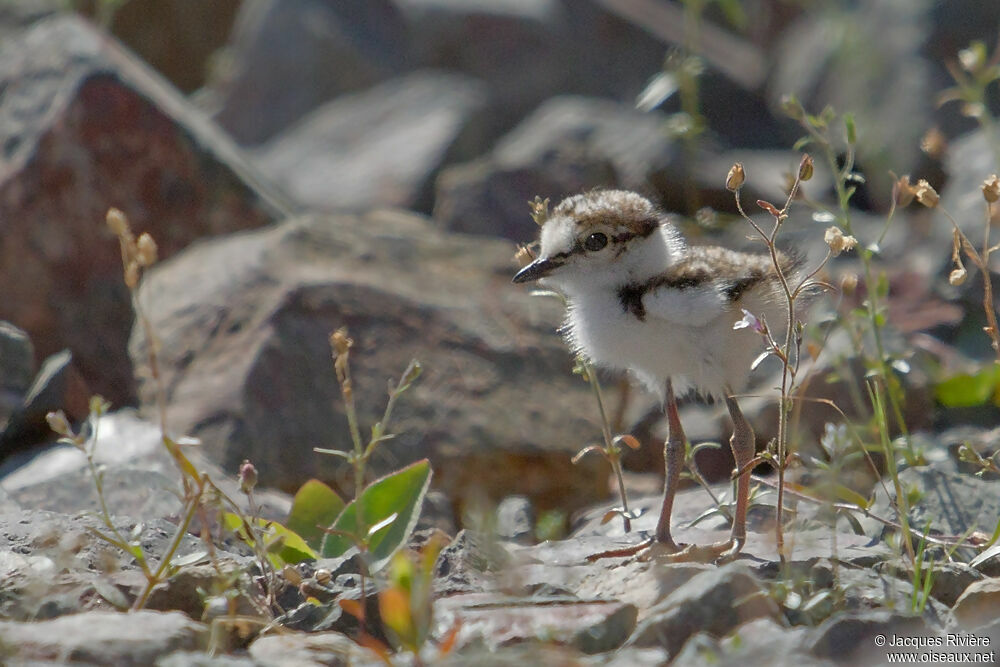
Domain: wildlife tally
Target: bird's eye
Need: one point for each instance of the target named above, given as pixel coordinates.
(595, 241)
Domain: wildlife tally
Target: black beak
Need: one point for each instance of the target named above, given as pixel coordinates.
(540, 268)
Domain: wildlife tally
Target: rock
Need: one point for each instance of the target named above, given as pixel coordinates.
(516, 520)
(952, 502)
(101, 637)
(808, 544)
(244, 326)
(287, 57)
(308, 650)
(84, 127)
(380, 147)
(760, 642)
(589, 626)
(644, 585)
(878, 47)
(518, 48)
(568, 145)
(948, 581)
(851, 638)
(529, 51)
(977, 606)
(141, 476)
(715, 601)
(16, 15)
(141, 494)
(58, 386)
(968, 163)
(17, 368)
(54, 564)
(176, 37)
(469, 564)
(193, 659)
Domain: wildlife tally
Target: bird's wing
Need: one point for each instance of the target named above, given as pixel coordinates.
(705, 283)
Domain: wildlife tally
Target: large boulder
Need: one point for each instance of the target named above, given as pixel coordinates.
(286, 57)
(380, 147)
(569, 144)
(85, 126)
(243, 325)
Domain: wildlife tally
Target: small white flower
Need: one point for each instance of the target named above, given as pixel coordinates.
(750, 321)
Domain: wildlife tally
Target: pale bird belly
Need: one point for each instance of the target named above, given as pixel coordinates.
(710, 358)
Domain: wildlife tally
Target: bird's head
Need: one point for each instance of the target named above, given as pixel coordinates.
(601, 236)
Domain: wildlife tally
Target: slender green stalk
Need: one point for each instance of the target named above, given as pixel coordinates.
(610, 448)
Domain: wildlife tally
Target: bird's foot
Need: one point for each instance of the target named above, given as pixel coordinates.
(670, 552)
(720, 552)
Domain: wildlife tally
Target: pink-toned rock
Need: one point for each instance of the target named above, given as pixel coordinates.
(85, 126)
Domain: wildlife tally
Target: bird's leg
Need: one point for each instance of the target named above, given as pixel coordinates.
(673, 460)
(742, 444)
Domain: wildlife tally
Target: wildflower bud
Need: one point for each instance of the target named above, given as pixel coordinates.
(903, 192)
(991, 189)
(117, 222)
(57, 422)
(958, 276)
(934, 143)
(248, 476)
(539, 210)
(805, 168)
(146, 250)
(837, 241)
(523, 256)
(736, 177)
(926, 195)
(792, 107)
(340, 342)
(849, 283)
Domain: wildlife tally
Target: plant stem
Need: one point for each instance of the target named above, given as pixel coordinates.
(610, 448)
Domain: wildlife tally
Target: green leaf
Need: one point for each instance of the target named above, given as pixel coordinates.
(851, 496)
(969, 390)
(282, 545)
(315, 505)
(400, 493)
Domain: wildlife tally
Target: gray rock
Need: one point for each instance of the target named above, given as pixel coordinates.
(970, 161)
(287, 57)
(469, 564)
(878, 48)
(851, 638)
(380, 147)
(141, 494)
(715, 601)
(244, 328)
(529, 50)
(568, 145)
(101, 637)
(84, 125)
(57, 386)
(809, 543)
(949, 579)
(516, 519)
(35, 546)
(589, 626)
(308, 650)
(977, 606)
(17, 368)
(193, 659)
(142, 478)
(951, 502)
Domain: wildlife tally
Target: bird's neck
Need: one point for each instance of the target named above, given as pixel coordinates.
(651, 256)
